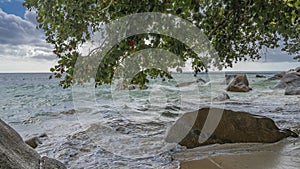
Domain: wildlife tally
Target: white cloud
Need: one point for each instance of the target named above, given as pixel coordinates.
(17, 31)
(263, 66)
(2, 1)
(11, 66)
(21, 42)
(31, 16)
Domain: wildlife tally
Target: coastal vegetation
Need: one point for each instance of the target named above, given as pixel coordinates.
(237, 29)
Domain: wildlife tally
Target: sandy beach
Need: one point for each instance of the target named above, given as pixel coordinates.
(282, 155)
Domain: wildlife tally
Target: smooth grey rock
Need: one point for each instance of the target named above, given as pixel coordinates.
(277, 76)
(49, 163)
(16, 154)
(291, 79)
(233, 127)
(292, 91)
(282, 74)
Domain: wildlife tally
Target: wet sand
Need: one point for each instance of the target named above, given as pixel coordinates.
(282, 155)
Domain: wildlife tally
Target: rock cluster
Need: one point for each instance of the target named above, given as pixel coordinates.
(16, 154)
(290, 81)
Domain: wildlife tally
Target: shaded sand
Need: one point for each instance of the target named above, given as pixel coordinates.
(282, 155)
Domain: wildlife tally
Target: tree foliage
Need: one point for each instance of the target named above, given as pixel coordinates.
(237, 29)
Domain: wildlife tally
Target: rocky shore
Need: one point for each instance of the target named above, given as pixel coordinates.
(16, 154)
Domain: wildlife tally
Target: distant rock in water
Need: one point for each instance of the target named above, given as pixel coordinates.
(135, 86)
(123, 86)
(234, 127)
(223, 96)
(239, 83)
(291, 79)
(260, 76)
(16, 154)
(198, 81)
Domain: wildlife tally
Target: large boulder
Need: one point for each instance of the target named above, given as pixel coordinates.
(240, 83)
(233, 127)
(291, 79)
(16, 154)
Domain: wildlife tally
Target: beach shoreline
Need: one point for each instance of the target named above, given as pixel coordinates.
(284, 154)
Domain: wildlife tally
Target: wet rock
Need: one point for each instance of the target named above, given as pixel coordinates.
(198, 81)
(135, 86)
(234, 127)
(69, 112)
(291, 79)
(282, 74)
(169, 114)
(229, 78)
(260, 76)
(240, 83)
(49, 163)
(43, 135)
(292, 90)
(277, 76)
(124, 86)
(222, 97)
(33, 142)
(15, 153)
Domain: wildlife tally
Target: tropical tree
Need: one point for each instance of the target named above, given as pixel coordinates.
(237, 29)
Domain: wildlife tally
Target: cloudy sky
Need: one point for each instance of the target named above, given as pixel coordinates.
(23, 47)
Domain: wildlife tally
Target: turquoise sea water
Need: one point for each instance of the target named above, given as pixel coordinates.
(126, 129)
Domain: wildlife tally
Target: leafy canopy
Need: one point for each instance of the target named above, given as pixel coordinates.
(237, 29)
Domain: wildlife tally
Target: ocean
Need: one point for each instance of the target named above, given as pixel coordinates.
(107, 128)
